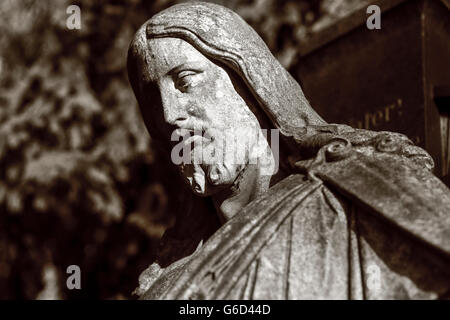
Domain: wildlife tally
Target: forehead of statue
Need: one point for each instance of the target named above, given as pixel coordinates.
(168, 54)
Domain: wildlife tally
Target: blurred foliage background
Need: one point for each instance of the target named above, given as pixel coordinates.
(80, 182)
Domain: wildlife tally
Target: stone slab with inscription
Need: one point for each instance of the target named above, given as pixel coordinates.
(383, 79)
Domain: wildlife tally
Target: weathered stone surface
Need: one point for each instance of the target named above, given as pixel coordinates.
(350, 214)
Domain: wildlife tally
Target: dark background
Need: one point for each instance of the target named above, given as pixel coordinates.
(79, 180)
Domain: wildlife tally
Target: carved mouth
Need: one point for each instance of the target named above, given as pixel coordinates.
(191, 139)
(194, 141)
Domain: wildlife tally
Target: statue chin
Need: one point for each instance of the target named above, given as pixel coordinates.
(210, 179)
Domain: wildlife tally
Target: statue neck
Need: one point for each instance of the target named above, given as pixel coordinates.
(250, 185)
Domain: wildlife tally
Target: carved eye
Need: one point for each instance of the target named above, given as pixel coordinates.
(185, 79)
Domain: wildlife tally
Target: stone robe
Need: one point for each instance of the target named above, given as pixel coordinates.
(363, 219)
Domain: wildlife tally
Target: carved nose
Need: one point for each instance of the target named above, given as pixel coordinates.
(174, 119)
(174, 113)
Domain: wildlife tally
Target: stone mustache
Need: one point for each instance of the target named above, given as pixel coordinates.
(350, 213)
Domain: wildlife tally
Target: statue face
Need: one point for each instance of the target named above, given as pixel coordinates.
(189, 92)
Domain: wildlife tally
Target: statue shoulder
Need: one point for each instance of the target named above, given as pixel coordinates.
(370, 143)
(384, 172)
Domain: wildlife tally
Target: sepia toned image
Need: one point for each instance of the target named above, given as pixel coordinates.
(225, 150)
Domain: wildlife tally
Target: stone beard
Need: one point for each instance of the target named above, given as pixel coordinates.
(349, 213)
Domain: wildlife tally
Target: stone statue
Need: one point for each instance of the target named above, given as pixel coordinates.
(344, 214)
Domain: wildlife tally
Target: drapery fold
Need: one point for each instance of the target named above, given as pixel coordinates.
(303, 240)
